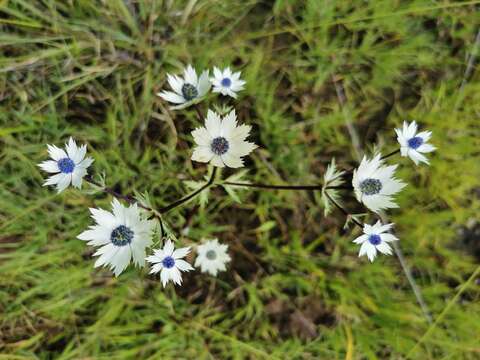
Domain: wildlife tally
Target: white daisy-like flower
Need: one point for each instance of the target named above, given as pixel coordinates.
(69, 166)
(222, 142)
(123, 235)
(375, 238)
(374, 184)
(169, 263)
(413, 144)
(226, 82)
(187, 91)
(212, 257)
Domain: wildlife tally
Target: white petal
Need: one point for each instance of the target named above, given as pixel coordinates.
(118, 211)
(104, 218)
(426, 148)
(64, 182)
(213, 124)
(190, 76)
(71, 148)
(181, 253)
(175, 83)
(371, 252)
(121, 260)
(203, 84)
(56, 153)
(77, 176)
(168, 248)
(228, 124)
(201, 136)
(232, 160)
(183, 265)
(49, 166)
(384, 248)
(79, 154)
(202, 154)
(53, 180)
(172, 97)
(361, 239)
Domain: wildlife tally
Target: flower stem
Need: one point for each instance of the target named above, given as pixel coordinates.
(390, 154)
(345, 212)
(274, 187)
(190, 196)
(127, 198)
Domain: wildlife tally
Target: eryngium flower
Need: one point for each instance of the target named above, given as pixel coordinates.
(69, 166)
(187, 91)
(226, 82)
(212, 257)
(169, 263)
(412, 144)
(222, 142)
(374, 184)
(123, 235)
(375, 238)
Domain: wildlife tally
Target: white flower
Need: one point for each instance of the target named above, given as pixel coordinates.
(375, 238)
(169, 262)
(413, 144)
(212, 257)
(186, 91)
(69, 167)
(226, 82)
(375, 185)
(222, 142)
(122, 236)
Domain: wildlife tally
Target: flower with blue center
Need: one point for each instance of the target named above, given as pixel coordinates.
(69, 166)
(122, 236)
(375, 238)
(188, 90)
(413, 144)
(169, 263)
(212, 257)
(374, 184)
(226, 82)
(222, 142)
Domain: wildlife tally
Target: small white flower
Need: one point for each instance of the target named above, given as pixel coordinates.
(186, 91)
(69, 167)
(226, 82)
(222, 142)
(375, 185)
(375, 238)
(212, 257)
(169, 262)
(413, 144)
(123, 235)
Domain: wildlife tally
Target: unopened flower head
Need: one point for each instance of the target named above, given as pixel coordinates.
(375, 185)
(212, 257)
(226, 82)
(221, 142)
(331, 179)
(375, 237)
(187, 90)
(413, 144)
(169, 263)
(69, 165)
(123, 235)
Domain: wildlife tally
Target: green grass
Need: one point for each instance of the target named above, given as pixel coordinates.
(296, 288)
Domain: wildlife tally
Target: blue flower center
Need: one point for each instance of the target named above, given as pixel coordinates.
(415, 142)
(168, 262)
(370, 186)
(226, 82)
(66, 165)
(374, 239)
(121, 236)
(189, 91)
(219, 145)
(211, 255)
